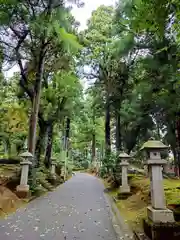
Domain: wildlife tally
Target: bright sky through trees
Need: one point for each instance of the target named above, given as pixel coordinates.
(81, 14)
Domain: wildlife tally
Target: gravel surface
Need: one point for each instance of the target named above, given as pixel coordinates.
(77, 210)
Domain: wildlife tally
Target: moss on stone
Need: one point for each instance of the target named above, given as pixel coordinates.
(153, 144)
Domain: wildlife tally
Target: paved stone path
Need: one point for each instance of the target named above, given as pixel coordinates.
(77, 210)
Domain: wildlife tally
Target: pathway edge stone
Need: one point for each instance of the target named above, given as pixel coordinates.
(124, 229)
(120, 227)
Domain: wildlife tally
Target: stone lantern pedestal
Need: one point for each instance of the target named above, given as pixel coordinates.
(124, 188)
(22, 190)
(53, 169)
(157, 212)
(52, 176)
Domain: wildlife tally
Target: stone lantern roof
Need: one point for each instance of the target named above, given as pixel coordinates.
(26, 155)
(124, 155)
(153, 144)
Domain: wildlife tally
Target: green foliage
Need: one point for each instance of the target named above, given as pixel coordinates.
(130, 53)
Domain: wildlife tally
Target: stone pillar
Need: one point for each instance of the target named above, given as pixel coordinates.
(53, 169)
(23, 188)
(63, 172)
(156, 178)
(124, 188)
(157, 212)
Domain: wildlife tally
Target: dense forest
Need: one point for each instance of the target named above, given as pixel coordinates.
(129, 58)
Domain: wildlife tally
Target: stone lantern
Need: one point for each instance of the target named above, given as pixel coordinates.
(157, 212)
(53, 167)
(23, 188)
(124, 157)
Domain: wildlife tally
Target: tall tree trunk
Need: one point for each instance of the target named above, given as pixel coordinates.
(107, 128)
(175, 160)
(36, 102)
(66, 143)
(118, 133)
(172, 140)
(158, 130)
(102, 151)
(93, 149)
(47, 160)
(93, 140)
(68, 122)
(40, 140)
(177, 132)
(85, 153)
(33, 120)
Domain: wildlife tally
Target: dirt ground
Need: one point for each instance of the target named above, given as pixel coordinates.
(9, 202)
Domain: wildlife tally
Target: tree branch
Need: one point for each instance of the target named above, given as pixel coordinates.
(60, 107)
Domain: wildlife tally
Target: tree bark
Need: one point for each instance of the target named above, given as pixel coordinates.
(85, 153)
(177, 132)
(36, 103)
(172, 140)
(118, 133)
(47, 160)
(107, 128)
(93, 148)
(40, 140)
(102, 151)
(68, 122)
(175, 160)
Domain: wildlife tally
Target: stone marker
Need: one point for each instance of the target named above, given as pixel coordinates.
(63, 172)
(23, 188)
(157, 212)
(53, 169)
(124, 188)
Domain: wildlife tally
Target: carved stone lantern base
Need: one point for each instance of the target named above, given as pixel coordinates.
(160, 215)
(124, 189)
(22, 191)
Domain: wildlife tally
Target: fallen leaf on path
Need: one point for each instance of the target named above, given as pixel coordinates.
(13, 226)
